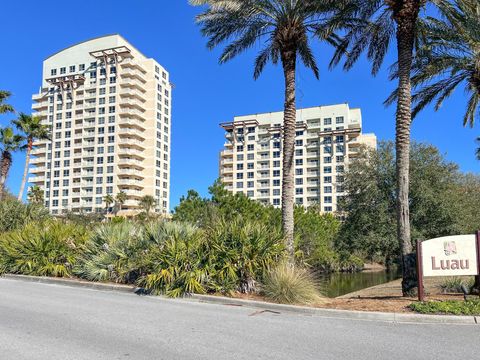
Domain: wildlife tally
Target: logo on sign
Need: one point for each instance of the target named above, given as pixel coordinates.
(450, 248)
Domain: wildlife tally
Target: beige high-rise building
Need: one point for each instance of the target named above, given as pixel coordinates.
(327, 139)
(109, 109)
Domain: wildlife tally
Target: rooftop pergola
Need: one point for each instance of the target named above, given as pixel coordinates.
(235, 124)
(117, 54)
(66, 81)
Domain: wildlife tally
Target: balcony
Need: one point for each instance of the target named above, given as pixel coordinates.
(130, 172)
(131, 152)
(131, 83)
(131, 132)
(133, 94)
(131, 73)
(40, 114)
(131, 63)
(134, 193)
(38, 97)
(38, 169)
(226, 170)
(226, 153)
(131, 162)
(130, 183)
(40, 106)
(37, 160)
(36, 179)
(39, 151)
(134, 104)
(131, 204)
(226, 161)
(127, 122)
(133, 113)
(131, 142)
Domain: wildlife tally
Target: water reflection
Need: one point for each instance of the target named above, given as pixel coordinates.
(337, 284)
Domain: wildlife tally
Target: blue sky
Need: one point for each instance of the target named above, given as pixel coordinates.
(205, 92)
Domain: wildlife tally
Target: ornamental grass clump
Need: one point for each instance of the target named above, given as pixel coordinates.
(290, 285)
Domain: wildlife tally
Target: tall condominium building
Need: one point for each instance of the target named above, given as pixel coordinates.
(109, 110)
(327, 138)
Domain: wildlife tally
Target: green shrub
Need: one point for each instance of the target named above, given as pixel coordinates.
(41, 249)
(174, 263)
(453, 307)
(240, 251)
(227, 256)
(15, 214)
(290, 285)
(112, 253)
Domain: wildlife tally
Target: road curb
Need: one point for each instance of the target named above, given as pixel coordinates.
(342, 314)
(71, 282)
(305, 310)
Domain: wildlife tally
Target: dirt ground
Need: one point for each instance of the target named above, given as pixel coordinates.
(384, 298)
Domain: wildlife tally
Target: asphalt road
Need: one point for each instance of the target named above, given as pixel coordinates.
(39, 321)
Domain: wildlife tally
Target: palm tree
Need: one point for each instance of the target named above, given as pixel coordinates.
(449, 58)
(35, 195)
(34, 130)
(9, 142)
(120, 199)
(109, 200)
(477, 152)
(5, 108)
(372, 26)
(284, 27)
(147, 203)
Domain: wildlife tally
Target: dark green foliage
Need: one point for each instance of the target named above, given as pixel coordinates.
(439, 202)
(453, 307)
(223, 204)
(42, 249)
(14, 214)
(314, 233)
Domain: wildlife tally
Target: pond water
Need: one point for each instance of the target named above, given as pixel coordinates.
(337, 284)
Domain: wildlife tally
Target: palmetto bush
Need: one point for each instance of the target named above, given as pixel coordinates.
(42, 249)
(112, 253)
(174, 261)
(239, 252)
(224, 257)
(15, 214)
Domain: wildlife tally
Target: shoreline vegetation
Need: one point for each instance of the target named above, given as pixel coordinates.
(229, 244)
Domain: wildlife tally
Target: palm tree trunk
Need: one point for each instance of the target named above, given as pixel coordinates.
(25, 171)
(406, 19)
(6, 162)
(289, 120)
